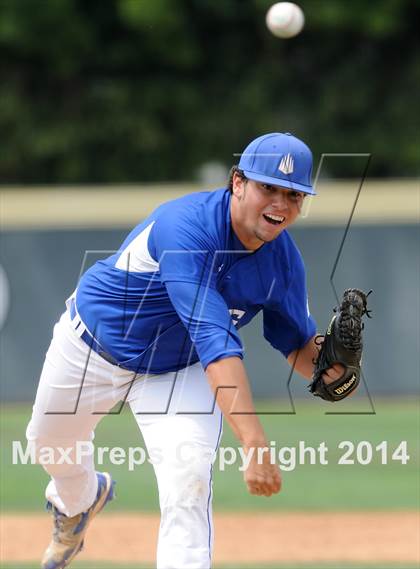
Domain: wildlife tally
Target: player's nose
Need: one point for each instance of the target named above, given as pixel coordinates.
(281, 201)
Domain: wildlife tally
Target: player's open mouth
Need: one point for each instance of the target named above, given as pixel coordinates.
(274, 219)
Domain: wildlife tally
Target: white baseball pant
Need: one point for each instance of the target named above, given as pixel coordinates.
(174, 411)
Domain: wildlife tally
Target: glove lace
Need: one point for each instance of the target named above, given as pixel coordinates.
(319, 338)
(350, 325)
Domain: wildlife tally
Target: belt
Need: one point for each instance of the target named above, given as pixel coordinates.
(87, 337)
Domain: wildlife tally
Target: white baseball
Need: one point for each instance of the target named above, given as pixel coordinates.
(285, 19)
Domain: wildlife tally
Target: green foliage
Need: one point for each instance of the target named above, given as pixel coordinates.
(140, 90)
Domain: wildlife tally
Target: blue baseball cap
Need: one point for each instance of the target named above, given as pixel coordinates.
(279, 159)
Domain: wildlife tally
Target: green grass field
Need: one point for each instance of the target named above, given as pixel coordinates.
(373, 486)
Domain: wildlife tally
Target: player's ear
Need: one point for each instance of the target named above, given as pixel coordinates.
(238, 185)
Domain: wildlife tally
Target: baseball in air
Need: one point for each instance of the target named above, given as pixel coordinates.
(285, 19)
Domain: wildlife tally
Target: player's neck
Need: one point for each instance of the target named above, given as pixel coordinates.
(248, 239)
(250, 242)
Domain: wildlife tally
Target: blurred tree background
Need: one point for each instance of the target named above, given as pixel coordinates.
(100, 91)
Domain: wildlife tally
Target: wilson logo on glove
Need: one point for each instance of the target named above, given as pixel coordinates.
(345, 386)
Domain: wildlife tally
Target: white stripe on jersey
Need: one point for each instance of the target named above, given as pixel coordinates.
(136, 257)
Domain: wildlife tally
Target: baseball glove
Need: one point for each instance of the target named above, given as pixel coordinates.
(342, 344)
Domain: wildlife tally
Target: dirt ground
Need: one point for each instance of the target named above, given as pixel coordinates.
(239, 538)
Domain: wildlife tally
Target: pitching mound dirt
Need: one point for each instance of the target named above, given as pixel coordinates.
(240, 538)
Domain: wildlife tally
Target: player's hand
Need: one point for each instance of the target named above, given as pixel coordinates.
(333, 373)
(261, 477)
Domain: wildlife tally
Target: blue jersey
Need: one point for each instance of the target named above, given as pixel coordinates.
(182, 284)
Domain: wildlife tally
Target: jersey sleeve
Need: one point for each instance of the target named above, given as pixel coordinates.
(205, 315)
(288, 326)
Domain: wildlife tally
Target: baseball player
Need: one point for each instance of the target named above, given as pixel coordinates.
(156, 325)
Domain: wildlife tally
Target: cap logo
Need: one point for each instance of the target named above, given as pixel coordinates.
(286, 164)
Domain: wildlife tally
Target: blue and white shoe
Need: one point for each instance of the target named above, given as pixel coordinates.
(69, 533)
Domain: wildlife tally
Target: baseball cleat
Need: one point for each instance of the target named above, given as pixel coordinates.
(69, 533)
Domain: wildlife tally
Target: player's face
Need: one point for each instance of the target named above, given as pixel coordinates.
(260, 212)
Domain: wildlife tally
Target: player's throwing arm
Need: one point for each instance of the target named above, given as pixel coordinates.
(230, 384)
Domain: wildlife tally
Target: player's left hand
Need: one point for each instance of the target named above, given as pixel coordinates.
(333, 373)
(342, 343)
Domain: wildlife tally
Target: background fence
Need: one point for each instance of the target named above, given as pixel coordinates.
(51, 234)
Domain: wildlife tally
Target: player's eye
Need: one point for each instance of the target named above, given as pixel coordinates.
(268, 188)
(296, 196)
